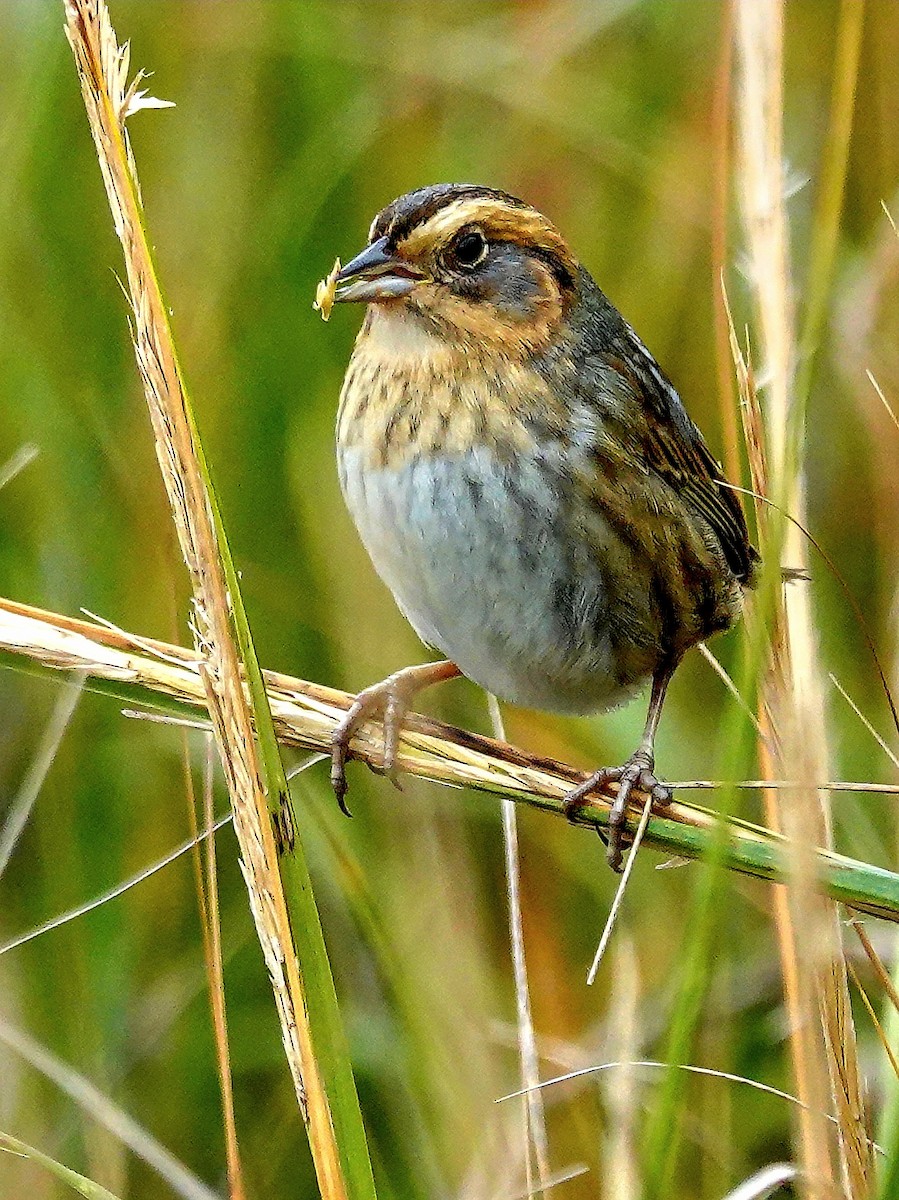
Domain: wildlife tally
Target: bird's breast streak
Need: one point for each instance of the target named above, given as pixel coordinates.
(470, 547)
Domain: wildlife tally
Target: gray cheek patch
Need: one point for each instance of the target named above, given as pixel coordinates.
(508, 280)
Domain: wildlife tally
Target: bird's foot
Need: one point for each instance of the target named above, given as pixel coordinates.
(635, 775)
(390, 699)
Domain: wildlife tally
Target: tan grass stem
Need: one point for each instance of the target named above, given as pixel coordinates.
(305, 715)
(813, 965)
(532, 1102)
(103, 67)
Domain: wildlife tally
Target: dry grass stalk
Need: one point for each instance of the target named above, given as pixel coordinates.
(824, 1052)
(720, 135)
(306, 714)
(883, 975)
(875, 1021)
(99, 1107)
(798, 1006)
(620, 1088)
(19, 811)
(535, 1138)
(103, 69)
(207, 887)
(205, 880)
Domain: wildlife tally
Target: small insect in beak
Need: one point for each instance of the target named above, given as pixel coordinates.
(376, 274)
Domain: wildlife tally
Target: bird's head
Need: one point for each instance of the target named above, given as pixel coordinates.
(469, 265)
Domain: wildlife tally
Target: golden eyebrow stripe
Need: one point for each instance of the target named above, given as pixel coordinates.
(496, 217)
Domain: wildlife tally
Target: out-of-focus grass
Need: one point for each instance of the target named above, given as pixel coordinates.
(295, 123)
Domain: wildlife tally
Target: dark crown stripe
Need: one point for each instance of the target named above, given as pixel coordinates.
(406, 213)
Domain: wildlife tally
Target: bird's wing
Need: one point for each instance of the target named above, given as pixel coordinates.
(672, 446)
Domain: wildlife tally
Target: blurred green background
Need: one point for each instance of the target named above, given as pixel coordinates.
(295, 123)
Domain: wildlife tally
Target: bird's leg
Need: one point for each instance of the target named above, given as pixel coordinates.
(637, 773)
(391, 697)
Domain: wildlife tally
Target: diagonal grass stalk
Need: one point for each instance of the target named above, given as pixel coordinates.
(78, 1183)
(169, 678)
(274, 867)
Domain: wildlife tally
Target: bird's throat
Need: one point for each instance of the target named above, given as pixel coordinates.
(409, 392)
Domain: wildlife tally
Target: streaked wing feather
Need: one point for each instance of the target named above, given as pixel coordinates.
(674, 448)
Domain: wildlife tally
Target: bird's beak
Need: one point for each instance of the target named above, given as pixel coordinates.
(376, 274)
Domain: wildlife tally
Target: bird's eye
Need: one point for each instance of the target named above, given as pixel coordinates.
(470, 249)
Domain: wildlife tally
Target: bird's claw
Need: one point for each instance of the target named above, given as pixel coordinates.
(390, 698)
(338, 771)
(635, 775)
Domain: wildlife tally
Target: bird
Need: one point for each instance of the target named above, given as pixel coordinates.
(525, 479)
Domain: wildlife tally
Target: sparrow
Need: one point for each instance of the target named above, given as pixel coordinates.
(525, 478)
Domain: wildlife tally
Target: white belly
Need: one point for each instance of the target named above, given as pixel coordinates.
(473, 563)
